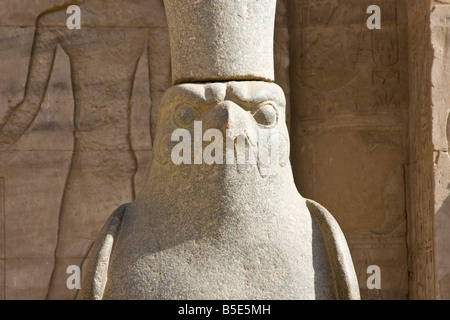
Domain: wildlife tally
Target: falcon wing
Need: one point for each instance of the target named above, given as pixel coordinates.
(344, 275)
(95, 275)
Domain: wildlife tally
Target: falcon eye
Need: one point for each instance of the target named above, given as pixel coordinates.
(184, 116)
(266, 115)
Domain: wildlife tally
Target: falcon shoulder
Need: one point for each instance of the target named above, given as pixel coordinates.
(95, 275)
(344, 275)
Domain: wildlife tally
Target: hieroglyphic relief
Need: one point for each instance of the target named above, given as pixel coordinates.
(390, 98)
(330, 50)
(385, 54)
(349, 112)
(333, 48)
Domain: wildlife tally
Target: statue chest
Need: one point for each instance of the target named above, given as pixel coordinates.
(283, 264)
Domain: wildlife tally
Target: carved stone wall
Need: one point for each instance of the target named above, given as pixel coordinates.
(350, 126)
(374, 119)
(368, 121)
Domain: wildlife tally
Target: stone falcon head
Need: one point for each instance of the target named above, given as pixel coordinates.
(239, 126)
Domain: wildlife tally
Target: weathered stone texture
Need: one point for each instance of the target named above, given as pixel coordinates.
(440, 97)
(349, 128)
(199, 30)
(420, 166)
(221, 231)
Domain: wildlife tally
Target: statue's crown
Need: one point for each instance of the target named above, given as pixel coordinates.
(221, 40)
